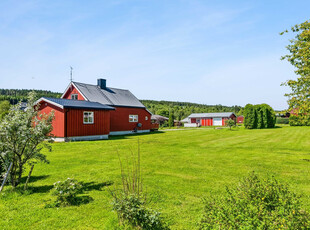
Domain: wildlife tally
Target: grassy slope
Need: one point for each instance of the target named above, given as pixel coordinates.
(179, 168)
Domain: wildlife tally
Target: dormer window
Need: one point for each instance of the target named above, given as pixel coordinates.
(74, 96)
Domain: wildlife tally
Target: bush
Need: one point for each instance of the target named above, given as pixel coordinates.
(130, 202)
(66, 191)
(256, 203)
(259, 116)
(250, 117)
(131, 209)
(282, 120)
(299, 120)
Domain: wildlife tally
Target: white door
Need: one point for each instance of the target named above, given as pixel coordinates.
(217, 121)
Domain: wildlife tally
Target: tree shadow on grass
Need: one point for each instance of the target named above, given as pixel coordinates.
(33, 178)
(89, 186)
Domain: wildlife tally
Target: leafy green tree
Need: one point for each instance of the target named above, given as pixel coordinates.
(23, 134)
(171, 119)
(299, 57)
(230, 123)
(4, 108)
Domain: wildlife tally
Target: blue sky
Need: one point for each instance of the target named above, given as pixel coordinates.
(211, 52)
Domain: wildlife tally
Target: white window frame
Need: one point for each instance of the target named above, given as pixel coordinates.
(74, 96)
(133, 118)
(90, 117)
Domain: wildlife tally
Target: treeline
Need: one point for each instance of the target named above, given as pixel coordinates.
(259, 116)
(16, 95)
(181, 110)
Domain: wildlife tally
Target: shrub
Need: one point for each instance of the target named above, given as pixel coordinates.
(282, 120)
(250, 117)
(66, 191)
(256, 203)
(259, 116)
(130, 202)
(131, 209)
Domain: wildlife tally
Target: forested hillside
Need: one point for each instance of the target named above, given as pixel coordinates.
(16, 95)
(181, 110)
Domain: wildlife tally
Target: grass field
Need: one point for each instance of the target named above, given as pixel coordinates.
(179, 169)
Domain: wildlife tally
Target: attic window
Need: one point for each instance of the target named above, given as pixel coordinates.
(133, 118)
(88, 117)
(74, 96)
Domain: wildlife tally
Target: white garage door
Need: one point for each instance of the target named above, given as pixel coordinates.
(217, 121)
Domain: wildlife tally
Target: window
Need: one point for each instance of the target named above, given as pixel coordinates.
(74, 96)
(88, 117)
(133, 118)
(146, 118)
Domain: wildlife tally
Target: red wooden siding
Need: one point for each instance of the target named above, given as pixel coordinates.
(120, 119)
(76, 127)
(240, 119)
(58, 122)
(72, 90)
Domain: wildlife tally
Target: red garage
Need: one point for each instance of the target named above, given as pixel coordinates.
(87, 112)
(209, 119)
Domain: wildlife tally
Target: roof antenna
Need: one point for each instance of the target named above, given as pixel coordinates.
(71, 78)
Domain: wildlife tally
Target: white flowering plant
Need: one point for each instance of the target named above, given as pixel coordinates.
(67, 191)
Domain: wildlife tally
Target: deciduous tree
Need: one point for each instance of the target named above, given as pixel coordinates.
(299, 57)
(23, 134)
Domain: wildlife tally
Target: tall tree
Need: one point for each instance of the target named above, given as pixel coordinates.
(299, 57)
(4, 108)
(23, 134)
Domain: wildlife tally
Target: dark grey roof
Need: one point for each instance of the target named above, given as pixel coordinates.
(198, 115)
(108, 96)
(65, 103)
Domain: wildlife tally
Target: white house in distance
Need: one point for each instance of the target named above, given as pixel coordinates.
(208, 119)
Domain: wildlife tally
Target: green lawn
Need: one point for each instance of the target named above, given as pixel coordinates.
(179, 169)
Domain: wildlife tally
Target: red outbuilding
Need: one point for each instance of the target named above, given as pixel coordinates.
(88, 112)
(209, 119)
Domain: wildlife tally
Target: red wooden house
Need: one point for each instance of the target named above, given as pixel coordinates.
(88, 112)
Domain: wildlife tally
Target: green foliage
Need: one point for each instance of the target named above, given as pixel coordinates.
(299, 120)
(230, 123)
(66, 191)
(22, 136)
(4, 108)
(171, 119)
(182, 110)
(16, 95)
(282, 120)
(130, 202)
(250, 117)
(131, 209)
(299, 57)
(259, 116)
(256, 203)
